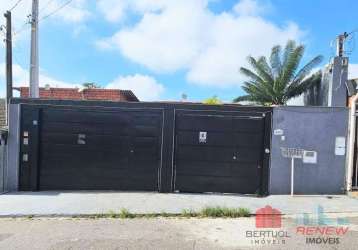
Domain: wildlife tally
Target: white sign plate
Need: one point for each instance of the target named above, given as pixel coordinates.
(202, 136)
(278, 132)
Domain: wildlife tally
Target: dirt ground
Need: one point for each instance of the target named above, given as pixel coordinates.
(158, 233)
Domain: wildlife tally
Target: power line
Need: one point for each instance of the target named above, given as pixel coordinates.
(353, 31)
(15, 5)
(25, 25)
(351, 41)
(46, 5)
(2, 29)
(19, 62)
(56, 10)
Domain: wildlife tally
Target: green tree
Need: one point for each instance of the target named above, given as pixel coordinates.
(91, 85)
(212, 100)
(277, 79)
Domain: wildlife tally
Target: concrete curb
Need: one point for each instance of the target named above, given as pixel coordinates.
(67, 204)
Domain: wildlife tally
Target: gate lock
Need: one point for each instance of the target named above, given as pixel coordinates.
(81, 139)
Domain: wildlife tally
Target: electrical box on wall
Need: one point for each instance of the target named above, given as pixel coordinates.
(340, 148)
(309, 157)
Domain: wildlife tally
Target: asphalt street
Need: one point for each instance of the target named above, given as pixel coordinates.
(170, 233)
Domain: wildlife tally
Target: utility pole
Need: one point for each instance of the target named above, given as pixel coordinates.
(8, 42)
(34, 57)
(340, 44)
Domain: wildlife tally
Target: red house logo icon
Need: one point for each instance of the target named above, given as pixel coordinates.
(268, 217)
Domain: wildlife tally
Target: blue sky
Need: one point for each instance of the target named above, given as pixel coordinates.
(163, 48)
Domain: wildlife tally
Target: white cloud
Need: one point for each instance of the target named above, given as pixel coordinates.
(353, 71)
(248, 8)
(144, 87)
(186, 35)
(219, 63)
(167, 41)
(75, 12)
(21, 79)
(118, 10)
(113, 10)
(104, 44)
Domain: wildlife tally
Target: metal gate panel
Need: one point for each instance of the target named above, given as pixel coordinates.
(98, 149)
(134, 146)
(229, 160)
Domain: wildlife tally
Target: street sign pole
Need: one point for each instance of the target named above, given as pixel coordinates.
(292, 153)
(292, 174)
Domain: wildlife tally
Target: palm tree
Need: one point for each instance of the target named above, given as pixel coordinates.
(277, 81)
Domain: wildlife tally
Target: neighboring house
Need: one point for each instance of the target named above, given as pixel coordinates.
(354, 83)
(82, 94)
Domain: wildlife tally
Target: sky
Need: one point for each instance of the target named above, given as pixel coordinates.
(162, 49)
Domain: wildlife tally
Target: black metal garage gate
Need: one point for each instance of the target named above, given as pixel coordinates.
(100, 150)
(219, 152)
(71, 145)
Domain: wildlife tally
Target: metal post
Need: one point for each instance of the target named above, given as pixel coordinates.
(8, 62)
(351, 142)
(356, 166)
(356, 169)
(340, 44)
(34, 60)
(292, 174)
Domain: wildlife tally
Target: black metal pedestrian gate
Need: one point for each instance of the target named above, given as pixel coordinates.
(79, 145)
(219, 153)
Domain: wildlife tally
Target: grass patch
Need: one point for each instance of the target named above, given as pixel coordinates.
(224, 212)
(207, 212)
(125, 214)
(188, 213)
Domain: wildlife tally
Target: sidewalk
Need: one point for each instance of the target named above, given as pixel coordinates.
(88, 203)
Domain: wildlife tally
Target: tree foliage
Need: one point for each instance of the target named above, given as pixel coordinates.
(91, 85)
(277, 79)
(212, 100)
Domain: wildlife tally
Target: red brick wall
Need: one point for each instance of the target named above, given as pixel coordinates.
(76, 94)
(102, 94)
(54, 93)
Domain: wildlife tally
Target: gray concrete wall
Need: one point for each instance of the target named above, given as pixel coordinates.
(2, 165)
(1, 170)
(337, 96)
(11, 173)
(332, 90)
(309, 128)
